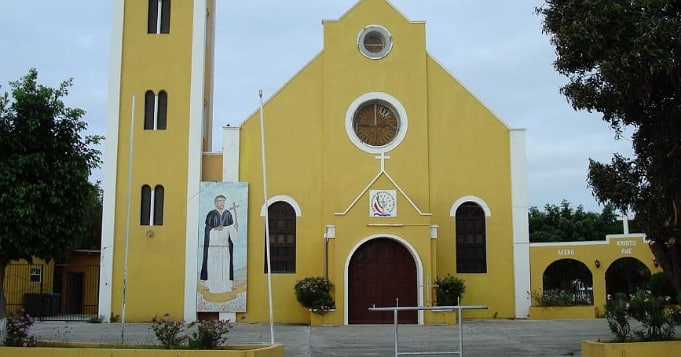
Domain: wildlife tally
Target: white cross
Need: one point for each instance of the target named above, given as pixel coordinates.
(382, 157)
(625, 222)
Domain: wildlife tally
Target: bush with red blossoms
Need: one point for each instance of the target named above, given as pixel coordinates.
(19, 330)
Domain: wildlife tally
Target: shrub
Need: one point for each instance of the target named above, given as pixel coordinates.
(448, 290)
(169, 332)
(657, 316)
(172, 334)
(209, 334)
(19, 330)
(560, 297)
(314, 293)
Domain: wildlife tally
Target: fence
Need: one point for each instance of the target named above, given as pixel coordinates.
(458, 309)
(61, 292)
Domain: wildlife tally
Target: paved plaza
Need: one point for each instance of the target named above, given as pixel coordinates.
(481, 337)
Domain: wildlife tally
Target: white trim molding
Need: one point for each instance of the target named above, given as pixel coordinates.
(521, 232)
(477, 200)
(417, 261)
(401, 112)
(195, 148)
(111, 161)
(282, 198)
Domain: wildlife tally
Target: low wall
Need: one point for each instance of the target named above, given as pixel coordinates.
(562, 312)
(631, 349)
(94, 350)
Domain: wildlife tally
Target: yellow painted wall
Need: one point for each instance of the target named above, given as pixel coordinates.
(17, 281)
(616, 246)
(454, 147)
(156, 254)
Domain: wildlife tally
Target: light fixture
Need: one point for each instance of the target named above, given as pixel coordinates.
(597, 263)
(433, 231)
(330, 232)
(150, 233)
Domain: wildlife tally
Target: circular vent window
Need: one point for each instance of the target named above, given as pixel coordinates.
(374, 42)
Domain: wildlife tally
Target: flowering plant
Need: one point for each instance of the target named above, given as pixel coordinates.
(172, 333)
(169, 332)
(657, 316)
(19, 330)
(315, 294)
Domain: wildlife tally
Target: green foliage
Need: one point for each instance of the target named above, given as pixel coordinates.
(208, 334)
(562, 223)
(660, 285)
(314, 293)
(448, 290)
(657, 316)
(560, 297)
(621, 59)
(617, 317)
(45, 163)
(172, 334)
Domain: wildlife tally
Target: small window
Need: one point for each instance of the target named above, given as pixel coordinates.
(151, 206)
(145, 209)
(158, 18)
(155, 110)
(158, 205)
(282, 224)
(471, 240)
(36, 274)
(374, 42)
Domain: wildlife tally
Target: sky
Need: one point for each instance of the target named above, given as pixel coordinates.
(495, 48)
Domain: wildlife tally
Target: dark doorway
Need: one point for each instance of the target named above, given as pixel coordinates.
(382, 273)
(74, 293)
(625, 275)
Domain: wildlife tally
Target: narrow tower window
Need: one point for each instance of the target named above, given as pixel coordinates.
(158, 20)
(155, 110)
(151, 206)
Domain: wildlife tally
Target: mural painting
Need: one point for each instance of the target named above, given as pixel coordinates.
(222, 247)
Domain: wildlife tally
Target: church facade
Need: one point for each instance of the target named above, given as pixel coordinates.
(383, 173)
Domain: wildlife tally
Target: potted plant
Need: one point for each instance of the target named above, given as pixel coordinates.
(314, 293)
(448, 290)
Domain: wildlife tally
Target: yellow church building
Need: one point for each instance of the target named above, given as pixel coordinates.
(383, 173)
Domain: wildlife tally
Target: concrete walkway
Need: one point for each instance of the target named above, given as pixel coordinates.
(481, 337)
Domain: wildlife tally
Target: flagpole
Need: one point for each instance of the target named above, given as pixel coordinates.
(267, 217)
(127, 220)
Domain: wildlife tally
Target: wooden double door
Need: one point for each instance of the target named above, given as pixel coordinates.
(382, 273)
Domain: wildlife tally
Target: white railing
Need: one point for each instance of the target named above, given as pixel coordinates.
(458, 309)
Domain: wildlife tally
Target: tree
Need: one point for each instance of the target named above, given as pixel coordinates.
(45, 162)
(565, 224)
(623, 59)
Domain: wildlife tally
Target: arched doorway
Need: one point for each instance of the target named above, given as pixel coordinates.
(566, 282)
(381, 271)
(625, 275)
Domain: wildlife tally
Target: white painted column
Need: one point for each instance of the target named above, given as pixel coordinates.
(521, 233)
(111, 161)
(194, 155)
(230, 153)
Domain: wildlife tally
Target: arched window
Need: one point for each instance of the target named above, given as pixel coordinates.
(145, 209)
(282, 224)
(471, 246)
(151, 206)
(158, 205)
(162, 111)
(155, 110)
(158, 20)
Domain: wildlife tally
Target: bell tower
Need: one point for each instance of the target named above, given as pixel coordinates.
(158, 125)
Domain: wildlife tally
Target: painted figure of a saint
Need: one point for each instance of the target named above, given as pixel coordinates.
(217, 269)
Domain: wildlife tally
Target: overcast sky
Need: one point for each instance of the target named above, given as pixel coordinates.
(495, 48)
